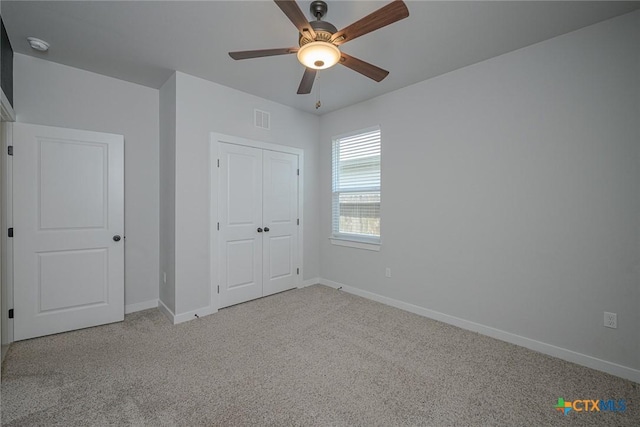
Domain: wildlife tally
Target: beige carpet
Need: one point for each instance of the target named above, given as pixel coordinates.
(313, 356)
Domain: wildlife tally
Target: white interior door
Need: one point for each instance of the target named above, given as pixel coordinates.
(240, 218)
(68, 203)
(258, 222)
(280, 217)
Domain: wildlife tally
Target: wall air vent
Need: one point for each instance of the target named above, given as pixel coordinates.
(262, 119)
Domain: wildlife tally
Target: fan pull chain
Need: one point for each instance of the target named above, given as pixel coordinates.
(317, 86)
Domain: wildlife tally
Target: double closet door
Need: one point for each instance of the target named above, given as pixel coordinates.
(258, 221)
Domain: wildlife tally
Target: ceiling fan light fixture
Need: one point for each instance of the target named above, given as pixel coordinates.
(319, 55)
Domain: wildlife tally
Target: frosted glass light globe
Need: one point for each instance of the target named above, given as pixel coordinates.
(318, 55)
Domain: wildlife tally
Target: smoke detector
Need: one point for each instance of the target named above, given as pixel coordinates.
(37, 44)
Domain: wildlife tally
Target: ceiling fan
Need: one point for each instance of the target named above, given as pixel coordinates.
(319, 40)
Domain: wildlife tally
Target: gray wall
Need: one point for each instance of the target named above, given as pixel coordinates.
(168, 193)
(203, 107)
(51, 94)
(510, 192)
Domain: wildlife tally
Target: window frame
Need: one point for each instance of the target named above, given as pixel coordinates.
(372, 243)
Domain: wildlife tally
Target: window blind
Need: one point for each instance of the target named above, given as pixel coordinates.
(356, 186)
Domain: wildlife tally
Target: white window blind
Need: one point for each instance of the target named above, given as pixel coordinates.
(356, 187)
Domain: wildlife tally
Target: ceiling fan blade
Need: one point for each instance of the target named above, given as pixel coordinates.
(364, 68)
(295, 15)
(307, 81)
(394, 11)
(247, 54)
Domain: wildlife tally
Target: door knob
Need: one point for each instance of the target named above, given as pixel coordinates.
(266, 229)
(259, 230)
(116, 238)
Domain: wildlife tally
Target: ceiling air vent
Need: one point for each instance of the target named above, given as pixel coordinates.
(262, 119)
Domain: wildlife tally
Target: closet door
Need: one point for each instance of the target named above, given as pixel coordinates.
(280, 219)
(258, 218)
(240, 217)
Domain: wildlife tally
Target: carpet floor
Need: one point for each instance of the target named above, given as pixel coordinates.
(311, 356)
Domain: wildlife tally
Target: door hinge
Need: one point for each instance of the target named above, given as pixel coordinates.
(10, 150)
(297, 271)
(218, 226)
(218, 288)
(298, 221)
(10, 233)
(298, 172)
(218, 162)
(11, 313)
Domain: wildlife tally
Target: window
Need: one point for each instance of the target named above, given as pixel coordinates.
(356, 187)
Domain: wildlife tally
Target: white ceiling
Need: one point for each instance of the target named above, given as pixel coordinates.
(145, 41)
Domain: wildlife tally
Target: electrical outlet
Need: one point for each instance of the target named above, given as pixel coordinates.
(610, 320)
(387, 272)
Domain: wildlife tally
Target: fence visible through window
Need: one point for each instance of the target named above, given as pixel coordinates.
(356, 186)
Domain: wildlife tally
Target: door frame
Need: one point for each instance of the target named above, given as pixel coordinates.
(215, 139)
(6, 243)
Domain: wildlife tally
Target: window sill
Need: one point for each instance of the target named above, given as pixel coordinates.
(355, 244)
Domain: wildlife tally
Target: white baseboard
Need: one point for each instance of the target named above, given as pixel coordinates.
(166, 311)
(139, 306)
(541, 347)
(185, 317)
(191, 315)
(309, 282)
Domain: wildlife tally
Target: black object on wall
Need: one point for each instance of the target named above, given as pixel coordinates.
(6, 64)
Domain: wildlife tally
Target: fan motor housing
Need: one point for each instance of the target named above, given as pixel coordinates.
(323, 29)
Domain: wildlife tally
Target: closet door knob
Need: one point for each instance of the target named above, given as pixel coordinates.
(259, 230)
(266, 229)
